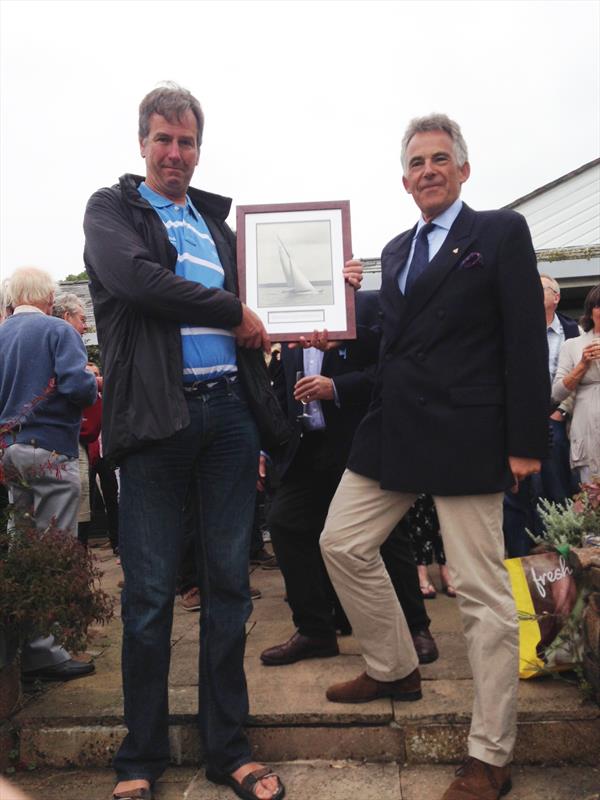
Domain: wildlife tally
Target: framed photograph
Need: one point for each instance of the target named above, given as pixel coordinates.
(290, 260)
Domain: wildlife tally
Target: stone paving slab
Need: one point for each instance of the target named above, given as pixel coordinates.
(451, 701)
(338, 780)
(443, 613)
(529, 783)
(335, 781)
(453, 663)
(96, 784)
(554, 699)
(296, 694)
(184, 663)
(443, 701)
(266, 634)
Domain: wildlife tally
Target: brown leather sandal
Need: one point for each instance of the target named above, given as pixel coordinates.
(245, 787)
(133, 794)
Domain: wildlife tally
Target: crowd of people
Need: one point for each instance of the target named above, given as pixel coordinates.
(435, 431)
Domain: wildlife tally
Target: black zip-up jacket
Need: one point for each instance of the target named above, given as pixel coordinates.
(139, 306)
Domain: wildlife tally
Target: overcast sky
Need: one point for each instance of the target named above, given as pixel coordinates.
(304, 101)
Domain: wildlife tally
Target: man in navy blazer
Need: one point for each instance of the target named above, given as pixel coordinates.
(459, 411)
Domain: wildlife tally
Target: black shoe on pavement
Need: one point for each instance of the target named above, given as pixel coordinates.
(264, 559)
(60, 672)
(425, 646)
(298, 648)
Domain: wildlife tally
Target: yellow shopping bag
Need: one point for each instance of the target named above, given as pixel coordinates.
(545, 595)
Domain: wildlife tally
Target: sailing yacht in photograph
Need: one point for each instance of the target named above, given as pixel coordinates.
(296, 280)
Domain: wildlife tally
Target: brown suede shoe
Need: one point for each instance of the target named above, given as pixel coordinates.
(477, 780)
(364, 689)
(299, 647)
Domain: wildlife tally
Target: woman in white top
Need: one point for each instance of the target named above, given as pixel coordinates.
(578, 376)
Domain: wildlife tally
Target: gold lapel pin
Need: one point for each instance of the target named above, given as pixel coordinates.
(455, 251)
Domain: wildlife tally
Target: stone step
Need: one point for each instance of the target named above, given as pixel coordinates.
(555, 726)
(336, 780)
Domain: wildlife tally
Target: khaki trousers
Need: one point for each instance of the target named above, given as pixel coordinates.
(361, 516)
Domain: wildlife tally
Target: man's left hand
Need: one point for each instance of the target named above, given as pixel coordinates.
(314, 387)
(522, 467)
(353, 273)
(251, 332)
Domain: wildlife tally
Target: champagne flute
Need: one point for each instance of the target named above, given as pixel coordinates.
(305, 414)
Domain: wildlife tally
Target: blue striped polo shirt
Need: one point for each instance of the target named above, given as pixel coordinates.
(208, 353)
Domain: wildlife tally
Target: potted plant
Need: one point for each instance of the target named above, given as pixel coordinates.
(576, 523)
(49, 584)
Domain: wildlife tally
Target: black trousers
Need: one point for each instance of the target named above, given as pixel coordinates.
(296, 519)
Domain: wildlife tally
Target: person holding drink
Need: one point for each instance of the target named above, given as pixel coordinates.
(578, 375)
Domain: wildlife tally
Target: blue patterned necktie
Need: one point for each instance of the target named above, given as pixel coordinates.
(420, 259)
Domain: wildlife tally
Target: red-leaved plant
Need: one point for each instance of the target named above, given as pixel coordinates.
(49, 582)
(587, 504)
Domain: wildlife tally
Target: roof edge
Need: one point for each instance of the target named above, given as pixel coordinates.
(553, 183)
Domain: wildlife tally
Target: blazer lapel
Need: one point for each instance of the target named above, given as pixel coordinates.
(396, 256)
(451, 252)
(392, 301)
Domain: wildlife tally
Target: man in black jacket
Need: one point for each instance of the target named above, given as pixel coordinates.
(161, 262)
(339, 385)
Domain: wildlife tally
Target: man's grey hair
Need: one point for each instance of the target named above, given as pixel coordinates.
(30, 286)
(435, 122)
(67, 303)
(553, 282)
(170, 101)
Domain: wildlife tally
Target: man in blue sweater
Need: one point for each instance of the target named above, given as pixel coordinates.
(44, 385)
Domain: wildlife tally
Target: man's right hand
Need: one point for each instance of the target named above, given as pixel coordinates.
(251, 331)
(521, 468)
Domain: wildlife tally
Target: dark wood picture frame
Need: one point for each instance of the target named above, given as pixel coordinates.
(300, 303)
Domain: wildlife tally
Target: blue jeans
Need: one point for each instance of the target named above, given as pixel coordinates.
(217, 456)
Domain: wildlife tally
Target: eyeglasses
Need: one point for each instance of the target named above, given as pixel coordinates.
(550, 289)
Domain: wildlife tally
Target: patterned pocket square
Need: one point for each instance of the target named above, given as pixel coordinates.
(470, 261)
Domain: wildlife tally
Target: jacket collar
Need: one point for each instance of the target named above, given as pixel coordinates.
(451, 252)
(26, 309)
(214, 205)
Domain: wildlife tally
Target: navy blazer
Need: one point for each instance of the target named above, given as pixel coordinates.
(569, 326)
(463, 377)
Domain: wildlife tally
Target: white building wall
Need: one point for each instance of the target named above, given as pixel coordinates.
(566, 215)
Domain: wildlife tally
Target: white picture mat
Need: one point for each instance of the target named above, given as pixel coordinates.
(295, 230)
